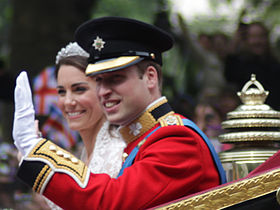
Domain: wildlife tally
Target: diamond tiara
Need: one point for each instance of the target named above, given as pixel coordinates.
(71, 49)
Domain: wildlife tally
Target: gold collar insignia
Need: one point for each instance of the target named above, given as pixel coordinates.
(146, 121)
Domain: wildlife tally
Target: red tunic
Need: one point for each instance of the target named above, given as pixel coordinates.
(174, 162)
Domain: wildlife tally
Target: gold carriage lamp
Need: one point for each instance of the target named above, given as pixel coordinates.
(253, 164)
(254, 130)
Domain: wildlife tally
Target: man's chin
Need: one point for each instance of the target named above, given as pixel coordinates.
(118, 121)
(114, 120)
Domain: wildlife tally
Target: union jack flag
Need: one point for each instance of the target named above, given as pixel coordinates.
(45, 93)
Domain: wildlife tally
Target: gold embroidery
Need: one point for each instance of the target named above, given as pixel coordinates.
(60, 159)
(163, 101)
(231, 194)
(170, 119)
(40, 178)
(145, 122)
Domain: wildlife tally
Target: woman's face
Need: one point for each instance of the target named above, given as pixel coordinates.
(77, 98)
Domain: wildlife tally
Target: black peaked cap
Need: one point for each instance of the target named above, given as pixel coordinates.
(113, 37)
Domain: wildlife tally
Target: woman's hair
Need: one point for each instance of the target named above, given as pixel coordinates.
(77, 61)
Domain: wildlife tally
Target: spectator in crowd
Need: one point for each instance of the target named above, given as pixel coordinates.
(237, 41)
(220, 43)
(209, 76)
(256, 57)
(208, 117)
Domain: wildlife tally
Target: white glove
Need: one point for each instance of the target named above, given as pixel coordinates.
(24, 131)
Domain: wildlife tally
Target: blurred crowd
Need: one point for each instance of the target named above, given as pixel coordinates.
(220, 67)
(204, 74)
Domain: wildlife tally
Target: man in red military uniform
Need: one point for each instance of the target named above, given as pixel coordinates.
(166, 157)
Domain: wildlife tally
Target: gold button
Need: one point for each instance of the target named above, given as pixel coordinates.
(124, 156)
(66, 156)
(74, 160)
(60, 153)
(52, 148)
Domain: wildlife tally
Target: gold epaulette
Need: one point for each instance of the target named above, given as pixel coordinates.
(50, 159)
(170, 119)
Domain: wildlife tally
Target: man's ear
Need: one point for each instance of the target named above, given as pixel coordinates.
(151, 77)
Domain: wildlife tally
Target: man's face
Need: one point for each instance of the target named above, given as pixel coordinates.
(123, 94)
(257, 40)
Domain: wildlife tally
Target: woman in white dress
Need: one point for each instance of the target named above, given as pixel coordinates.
(103, 147)
(79, 104)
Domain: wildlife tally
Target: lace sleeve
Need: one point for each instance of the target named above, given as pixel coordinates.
(108, 151)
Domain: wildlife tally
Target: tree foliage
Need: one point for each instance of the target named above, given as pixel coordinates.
(41, 28)
(266, 11)
(6, 14)
(138, 9)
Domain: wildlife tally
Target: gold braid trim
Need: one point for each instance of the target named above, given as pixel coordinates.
(163, 101)
(146, 121)
(56, 160)
(231, 194)
(44, 173)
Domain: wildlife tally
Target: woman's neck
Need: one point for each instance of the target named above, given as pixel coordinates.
(89, 137)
